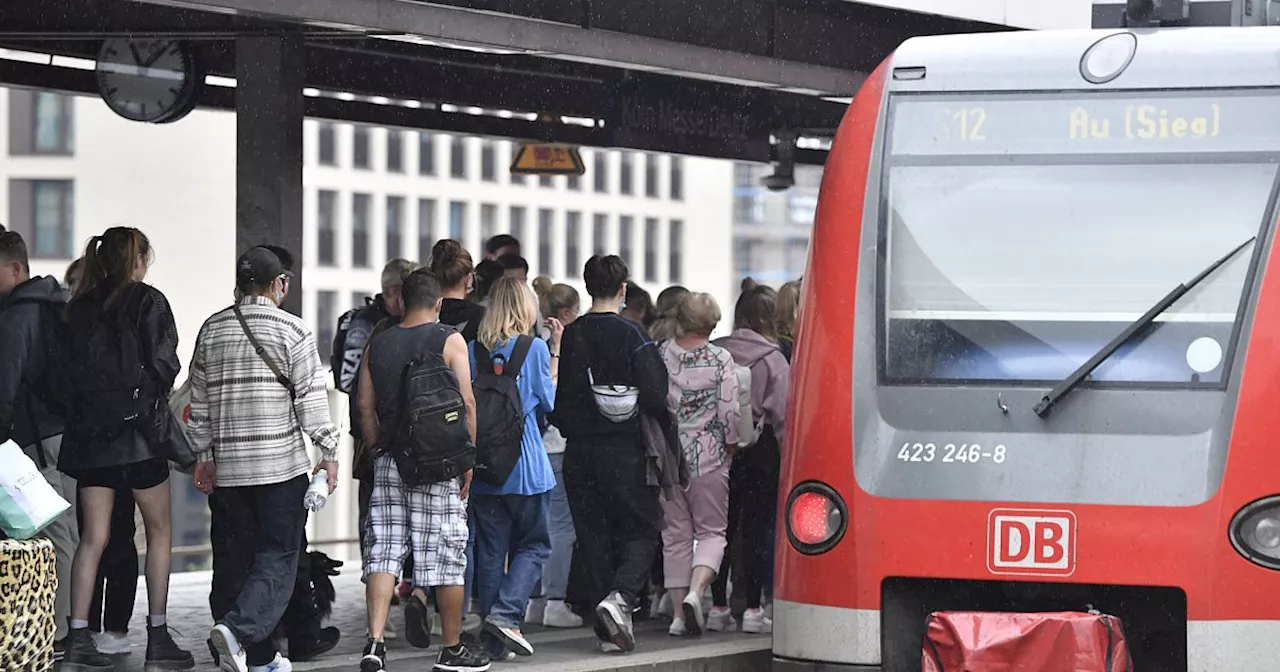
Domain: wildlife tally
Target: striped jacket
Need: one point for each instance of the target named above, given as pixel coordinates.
(241, 416)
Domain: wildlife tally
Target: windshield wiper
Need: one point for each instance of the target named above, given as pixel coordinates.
(1072, 381)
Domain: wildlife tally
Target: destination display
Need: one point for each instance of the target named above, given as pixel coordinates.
(1075, 124)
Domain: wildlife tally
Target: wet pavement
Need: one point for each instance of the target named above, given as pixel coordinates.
(555, 650)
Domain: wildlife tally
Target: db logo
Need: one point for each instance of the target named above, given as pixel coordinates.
(1030, 541)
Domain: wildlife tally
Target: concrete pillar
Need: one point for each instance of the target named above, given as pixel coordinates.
(270, 73)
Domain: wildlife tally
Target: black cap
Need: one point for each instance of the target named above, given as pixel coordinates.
(258, 266)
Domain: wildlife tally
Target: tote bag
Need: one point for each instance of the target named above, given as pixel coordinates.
(27, 502)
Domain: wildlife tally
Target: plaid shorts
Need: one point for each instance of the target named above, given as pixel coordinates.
(429, 521)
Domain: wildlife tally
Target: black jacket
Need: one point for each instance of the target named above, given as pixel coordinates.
(619, 353)
(23, 353)
(147, 308)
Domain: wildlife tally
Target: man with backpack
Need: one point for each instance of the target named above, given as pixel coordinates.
(32, 413)
(418, 412)
(256, 387)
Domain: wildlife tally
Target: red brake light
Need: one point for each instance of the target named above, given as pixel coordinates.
(809, 518)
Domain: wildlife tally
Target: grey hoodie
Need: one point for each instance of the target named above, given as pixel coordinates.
(770, 374)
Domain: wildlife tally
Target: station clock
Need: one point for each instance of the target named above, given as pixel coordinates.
(156, 81)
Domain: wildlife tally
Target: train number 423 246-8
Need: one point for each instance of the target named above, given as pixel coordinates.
(967, 453)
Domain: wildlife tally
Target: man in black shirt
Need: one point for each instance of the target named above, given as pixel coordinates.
(614, 509)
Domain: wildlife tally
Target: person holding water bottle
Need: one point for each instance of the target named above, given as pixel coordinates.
(256, 386)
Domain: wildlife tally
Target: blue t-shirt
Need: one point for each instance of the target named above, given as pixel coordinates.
(533, 474)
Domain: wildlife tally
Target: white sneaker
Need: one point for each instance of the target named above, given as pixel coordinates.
(280, 664)
(558, 615)
(756, 622)
(615, 614)
(721, 620)
(694, 620)
(768, 609)
(609, 647)
(533, 613)
(231, 656)
(677, 628)
(665, 607)
(111, 644)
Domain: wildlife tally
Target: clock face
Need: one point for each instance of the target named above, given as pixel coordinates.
(147, 80)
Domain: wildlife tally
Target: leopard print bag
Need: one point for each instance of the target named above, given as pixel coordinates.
(28, 581)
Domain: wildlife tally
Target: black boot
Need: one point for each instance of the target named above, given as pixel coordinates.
(301, 651)
(163, 653)
(81, 654)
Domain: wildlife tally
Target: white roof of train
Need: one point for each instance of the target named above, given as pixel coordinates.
(1165, 58)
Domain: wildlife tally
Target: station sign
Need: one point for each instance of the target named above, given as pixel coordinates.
(547, 159)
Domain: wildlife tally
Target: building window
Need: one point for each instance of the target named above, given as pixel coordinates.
(43, 212)
(458, 157)
(675, 252)
(326, 319)
(360, 230)
(625, 175)
(651, 249)
(395, 151)
(426, 228)
(572, 231)
(651, 175)
(600, 172)
(515, 222)
(488, 162)
(545, 219)
(40, 122)
(677, 178)
(395, 227)
(426, 154)
(328, 145)
(546, 181)
(600, 234)
(573, 183)
(457, 220)
(360, 147)
(516, 179)
(326, 208)
(625, 225)
(488, 221)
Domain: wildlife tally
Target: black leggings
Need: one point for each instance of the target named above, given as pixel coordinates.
(112, 606)
(753, 503)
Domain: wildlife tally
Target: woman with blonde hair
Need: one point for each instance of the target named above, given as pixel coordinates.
(559, 302)
(511, 518)
(704, 393)
(664, 327)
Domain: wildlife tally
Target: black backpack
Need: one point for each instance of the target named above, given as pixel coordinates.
(499, 411)
(109, 387)
(354, 330)
(431, 443)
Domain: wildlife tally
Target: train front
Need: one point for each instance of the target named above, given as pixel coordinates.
(1039, 351)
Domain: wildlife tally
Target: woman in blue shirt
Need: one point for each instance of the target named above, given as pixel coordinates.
(512, 519)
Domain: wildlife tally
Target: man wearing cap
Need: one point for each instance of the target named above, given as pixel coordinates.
(256, 387)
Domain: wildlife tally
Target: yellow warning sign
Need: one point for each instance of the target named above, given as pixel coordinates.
(545, 159)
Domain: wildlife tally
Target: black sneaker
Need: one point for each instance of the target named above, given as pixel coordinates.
(81, 654)
(59, 649)
(460, 658)
(417, 622)
(375, 657)
(163, 653)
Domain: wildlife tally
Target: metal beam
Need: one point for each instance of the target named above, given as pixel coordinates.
(458, 26)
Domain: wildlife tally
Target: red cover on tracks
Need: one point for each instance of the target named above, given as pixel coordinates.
(1068, 641)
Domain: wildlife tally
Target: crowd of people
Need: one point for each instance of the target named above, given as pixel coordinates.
(555, 459)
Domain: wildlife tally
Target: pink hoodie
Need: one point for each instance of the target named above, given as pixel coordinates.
(770, 374)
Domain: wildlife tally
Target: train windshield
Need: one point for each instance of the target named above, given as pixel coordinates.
(1022, 233)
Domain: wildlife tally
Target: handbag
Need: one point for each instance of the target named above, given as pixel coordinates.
(617, 403)
(28, 504)
(162, 431)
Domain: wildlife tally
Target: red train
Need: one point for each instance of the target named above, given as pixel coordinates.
(1038, 365)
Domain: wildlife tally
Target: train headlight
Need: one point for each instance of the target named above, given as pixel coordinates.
(816, 518)
(1255, 532)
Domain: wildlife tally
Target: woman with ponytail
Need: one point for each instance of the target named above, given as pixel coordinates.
(122, 352)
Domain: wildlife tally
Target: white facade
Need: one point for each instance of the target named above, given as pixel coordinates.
(176, 182)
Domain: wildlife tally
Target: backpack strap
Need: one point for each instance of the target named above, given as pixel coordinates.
(262, 352)
(518, 354)
(484, 360)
